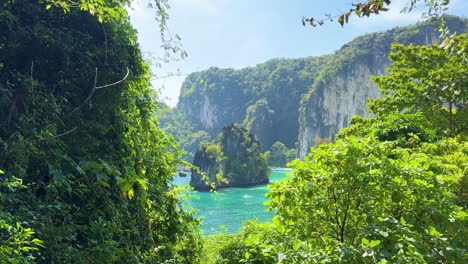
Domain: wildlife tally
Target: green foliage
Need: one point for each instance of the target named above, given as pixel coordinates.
(177, 125)
(390, 189)
(223, 248)
(405, 130)
(280, 155)
(236, 160)
(113, 11)
(263, 98)
(432, 80)
(97, 167)
(242, 247)
(244, 159)
(372, 201)
(17, 243)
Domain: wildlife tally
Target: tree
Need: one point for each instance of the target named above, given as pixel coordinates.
(78, 129)
(360, 200)
(430, 79)
(112, 10)
(280, 155)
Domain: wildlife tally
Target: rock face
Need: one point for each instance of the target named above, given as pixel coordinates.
(263, 97)
(298, 101)
(237, 161)
(208, 159)
(345, 83)
(336, 98)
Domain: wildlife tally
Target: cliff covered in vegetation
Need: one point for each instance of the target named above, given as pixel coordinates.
(298, 101)
(236, 161)
(263, 98)
(344, 85)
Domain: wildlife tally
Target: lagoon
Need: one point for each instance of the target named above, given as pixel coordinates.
(227, 208)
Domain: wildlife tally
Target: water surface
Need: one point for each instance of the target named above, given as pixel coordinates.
(226, 209)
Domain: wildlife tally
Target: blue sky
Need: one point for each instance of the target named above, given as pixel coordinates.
(241, 33)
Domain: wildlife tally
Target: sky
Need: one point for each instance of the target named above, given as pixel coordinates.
(243, 33)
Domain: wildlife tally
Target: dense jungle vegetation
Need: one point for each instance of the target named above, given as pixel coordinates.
(86, 171)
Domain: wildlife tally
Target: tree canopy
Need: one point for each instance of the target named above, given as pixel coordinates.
(78, 130)
(430, 79)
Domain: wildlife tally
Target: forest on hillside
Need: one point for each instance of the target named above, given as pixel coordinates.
(294, 102)
(87, 170)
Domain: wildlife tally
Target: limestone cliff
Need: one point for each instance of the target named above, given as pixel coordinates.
(236, 161)
(296, 101)
(209, 160)
(261, 98)
(342, 89)
(336, 98)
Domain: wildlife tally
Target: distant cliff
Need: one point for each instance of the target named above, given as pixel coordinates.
(342, 89)
(236, 161)
(264, 98)
(299, 101)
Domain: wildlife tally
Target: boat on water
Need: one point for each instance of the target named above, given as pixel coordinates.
(182, 174)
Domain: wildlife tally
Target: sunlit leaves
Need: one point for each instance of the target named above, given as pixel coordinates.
(80, 183)
(17, 243)
(432, 80)
(376, 193)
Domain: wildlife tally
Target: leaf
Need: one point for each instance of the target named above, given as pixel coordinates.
(105, 184)
(383, 233)
(143, 183)
(374, 243)
(433, 231)
(364, 241)
(131, 193)
(296, 244)
(341, 20)
(80, 170)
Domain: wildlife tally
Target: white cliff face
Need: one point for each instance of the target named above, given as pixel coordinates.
(334, 102)
(208, 114)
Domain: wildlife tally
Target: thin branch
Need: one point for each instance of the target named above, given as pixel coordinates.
(65, 133)
(95, 87)
(59, 135)
(168, 76)
(105, 43)
(115, 83)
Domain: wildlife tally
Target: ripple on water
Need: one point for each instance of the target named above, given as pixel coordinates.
(229, 207)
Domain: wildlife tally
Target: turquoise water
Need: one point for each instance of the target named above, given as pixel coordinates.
(228, 208)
